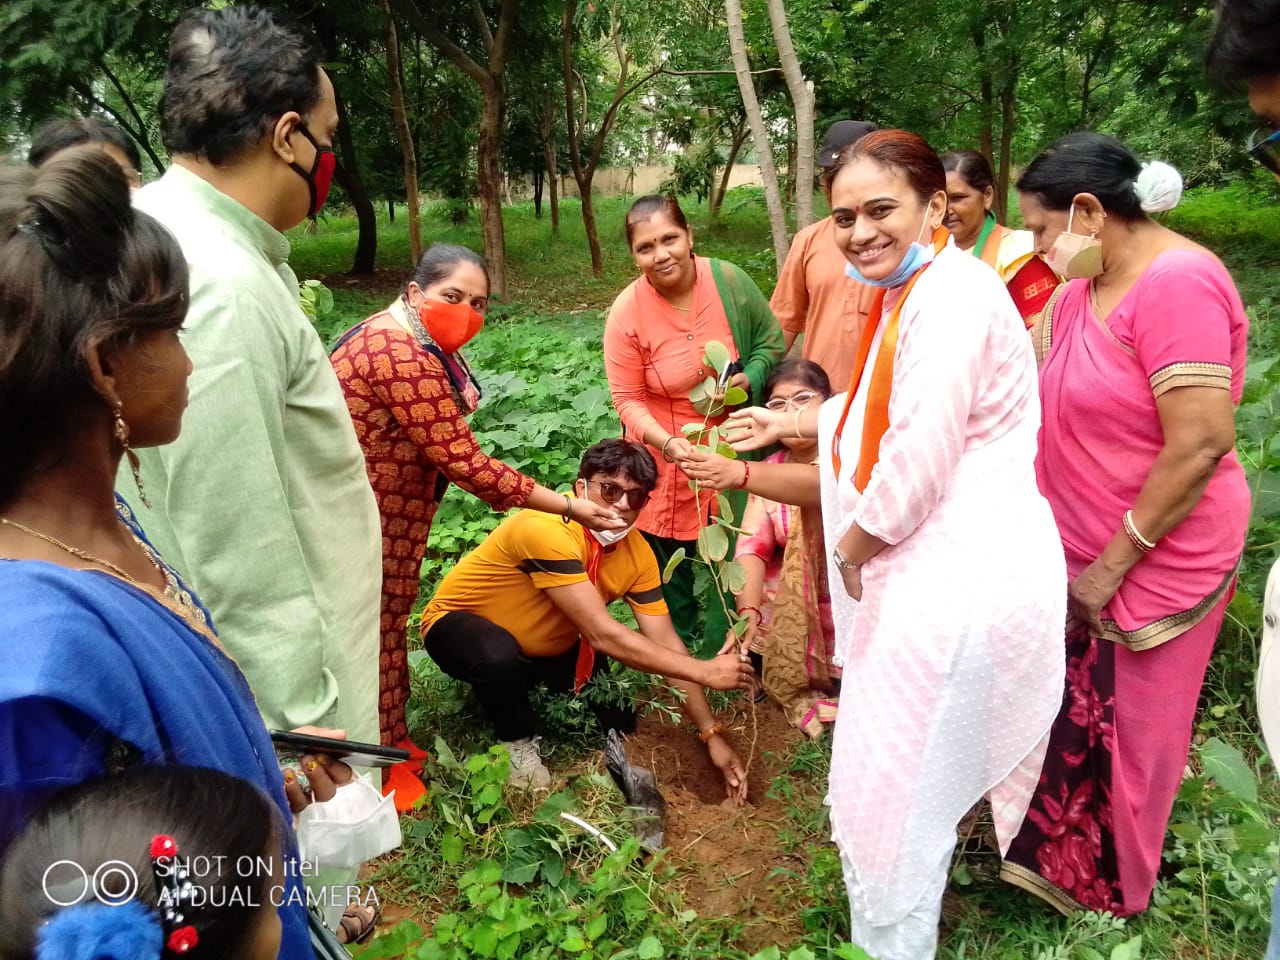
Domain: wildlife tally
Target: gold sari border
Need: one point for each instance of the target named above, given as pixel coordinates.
(1019, 876)
(1190, 375)
(1170, 627)
(1042, 330)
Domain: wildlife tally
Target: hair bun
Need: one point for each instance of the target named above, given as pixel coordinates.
(1158, 187)
(95, 931)
(79, 207)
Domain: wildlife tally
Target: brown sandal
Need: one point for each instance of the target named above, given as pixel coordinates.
(358, 923)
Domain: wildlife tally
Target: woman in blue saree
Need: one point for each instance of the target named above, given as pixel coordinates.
(106, 659)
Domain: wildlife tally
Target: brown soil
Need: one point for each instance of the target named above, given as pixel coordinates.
(725, 855)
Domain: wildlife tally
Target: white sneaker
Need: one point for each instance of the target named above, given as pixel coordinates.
(527, 769)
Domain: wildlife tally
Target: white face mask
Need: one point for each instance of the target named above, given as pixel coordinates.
(606, 538)
(609, 537)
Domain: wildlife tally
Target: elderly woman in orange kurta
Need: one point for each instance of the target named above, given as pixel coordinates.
(409, 390)
(655, 342)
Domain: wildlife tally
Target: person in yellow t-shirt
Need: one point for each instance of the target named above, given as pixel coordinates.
(528, 607)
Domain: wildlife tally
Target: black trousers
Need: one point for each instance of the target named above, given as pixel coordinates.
(477, 651)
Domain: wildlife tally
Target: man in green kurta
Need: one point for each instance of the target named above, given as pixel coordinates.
(262, 503)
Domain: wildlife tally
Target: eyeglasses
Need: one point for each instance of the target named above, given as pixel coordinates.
(613, 492)
(1264, 147)
(133, 176)
(797, 401)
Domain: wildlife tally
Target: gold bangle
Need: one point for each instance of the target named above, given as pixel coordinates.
(715, 730)
(796, 425)
(664, 449)
(1131, 530)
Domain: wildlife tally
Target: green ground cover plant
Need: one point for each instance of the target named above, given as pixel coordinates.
(491, 873)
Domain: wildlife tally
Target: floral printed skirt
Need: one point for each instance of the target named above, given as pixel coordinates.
(1094, 833)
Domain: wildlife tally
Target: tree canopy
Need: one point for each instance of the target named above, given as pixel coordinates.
(498, 92)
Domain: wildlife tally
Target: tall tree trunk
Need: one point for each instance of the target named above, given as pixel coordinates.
(1008, 108)
(395, 84)
(750, 103)
(553, 184)
(539, 175)
(489, 182)
(348, 174)
(717, 194)
(547, 128)
(987, 96)
(583, 172)
(489, 78)
(801, 92)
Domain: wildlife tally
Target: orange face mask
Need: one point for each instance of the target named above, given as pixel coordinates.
(450, 324)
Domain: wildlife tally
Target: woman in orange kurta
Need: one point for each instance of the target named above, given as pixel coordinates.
(655, 342)
(409, 390)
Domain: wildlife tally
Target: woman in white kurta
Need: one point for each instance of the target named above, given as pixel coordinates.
(947, 573)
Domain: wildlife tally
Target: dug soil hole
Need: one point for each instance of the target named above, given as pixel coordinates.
(730, 860)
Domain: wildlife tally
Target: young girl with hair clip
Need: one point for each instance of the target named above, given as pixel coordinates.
(158, 862)
(785, 599)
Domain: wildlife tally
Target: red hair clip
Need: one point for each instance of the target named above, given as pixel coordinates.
(176, 891)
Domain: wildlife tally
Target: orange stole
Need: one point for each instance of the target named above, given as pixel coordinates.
(584, 666)
(875, 421)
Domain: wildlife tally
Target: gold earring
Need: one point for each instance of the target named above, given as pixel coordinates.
(122, 437)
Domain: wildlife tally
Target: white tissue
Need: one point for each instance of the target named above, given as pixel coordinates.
(358, 824)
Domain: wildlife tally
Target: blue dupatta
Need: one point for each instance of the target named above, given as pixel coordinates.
(89, 662)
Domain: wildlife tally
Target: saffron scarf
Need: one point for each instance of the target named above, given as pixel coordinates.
(875, 421)
(586, 662)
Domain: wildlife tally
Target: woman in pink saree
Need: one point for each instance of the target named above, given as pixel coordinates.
(1143, 356)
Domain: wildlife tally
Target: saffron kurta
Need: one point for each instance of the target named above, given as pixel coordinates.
(953, 660)
(262, 503)
(413, 436)
(815, 297)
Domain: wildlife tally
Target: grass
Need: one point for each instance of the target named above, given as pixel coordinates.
(539, 360)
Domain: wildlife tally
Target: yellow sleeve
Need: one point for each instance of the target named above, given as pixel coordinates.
(645, 593)
(551, 552)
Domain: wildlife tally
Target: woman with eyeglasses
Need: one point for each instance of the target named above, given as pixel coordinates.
(655, 354)
(409, 390)
(1142, 366)
(785, 600)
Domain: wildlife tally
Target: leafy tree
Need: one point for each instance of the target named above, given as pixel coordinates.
(85, 56)
(586, 150)
(478, 43)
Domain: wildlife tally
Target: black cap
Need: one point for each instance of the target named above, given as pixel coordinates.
(840, 135)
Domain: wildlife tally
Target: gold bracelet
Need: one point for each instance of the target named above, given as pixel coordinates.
(715, 730)
(1131, 530)
(796, 425)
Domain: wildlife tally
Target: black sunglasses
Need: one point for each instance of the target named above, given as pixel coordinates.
(613, 492)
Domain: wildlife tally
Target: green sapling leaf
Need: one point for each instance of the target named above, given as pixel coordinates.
(672, 562)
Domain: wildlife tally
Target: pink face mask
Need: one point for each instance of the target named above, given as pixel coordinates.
(1075, 255)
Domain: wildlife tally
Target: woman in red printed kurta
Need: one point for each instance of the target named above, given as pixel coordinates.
(409, 391)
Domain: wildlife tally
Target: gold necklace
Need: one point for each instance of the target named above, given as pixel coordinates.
(74, 551)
